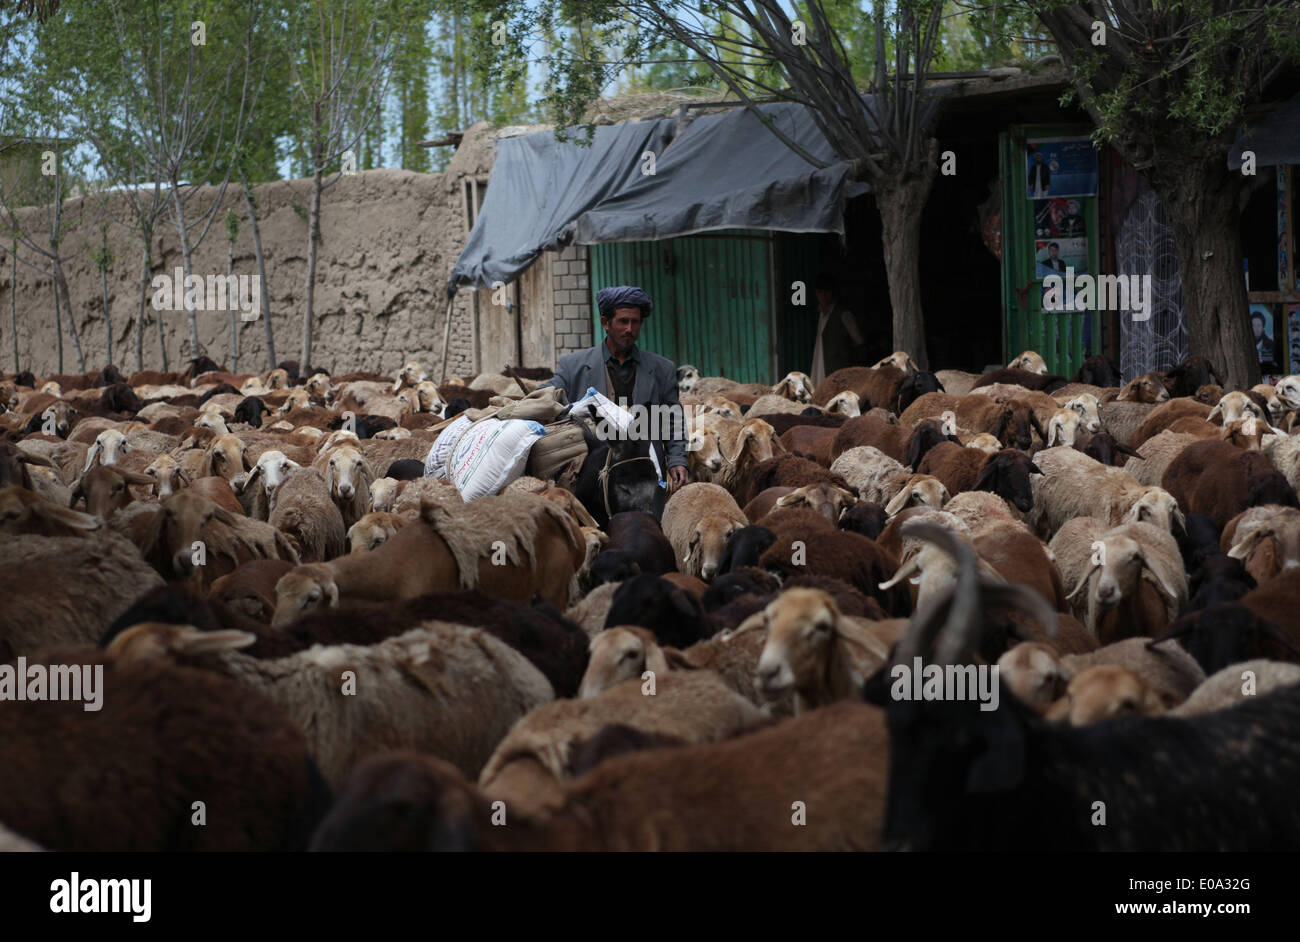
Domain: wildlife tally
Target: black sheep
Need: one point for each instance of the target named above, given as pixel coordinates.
(744, 547)
(676, 617)
(405, 469)
(250, 411)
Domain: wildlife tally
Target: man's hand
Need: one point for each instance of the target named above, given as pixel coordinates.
(677, 477)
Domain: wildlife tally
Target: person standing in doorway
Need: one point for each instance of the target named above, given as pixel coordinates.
(839, 340)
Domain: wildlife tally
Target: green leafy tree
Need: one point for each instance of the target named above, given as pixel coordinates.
(1169, 85)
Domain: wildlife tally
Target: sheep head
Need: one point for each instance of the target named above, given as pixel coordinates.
(349, 475)
(1088, 408)
(275, 379)
(827, 499)
(1157, 507)
(317, 387)
(226, 456)
(104, 489)
(921, 490)
(757, 442)
(167, 475)
(619, 654)
(1031, 361)
(1146, 388)
(109, 444)
(707, 545)
(899, 359)
(302, 590)
(1033, 673)
(844, 403)
(297, 399)
(271, 468)
(183, 519)
(1233, 406)
(149, 641)
(1288, 391)
(383, 494)
(1007, 474)
(373, 530)
(1063, 427)
(795, 386)
(412, 374)
(24, 511)
(428, 400)
(1269, 544)
(1106, 691)
(213, 420)
(1118, 566)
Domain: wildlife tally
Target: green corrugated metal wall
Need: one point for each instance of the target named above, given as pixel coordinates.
(712, 295)
(1057, 337)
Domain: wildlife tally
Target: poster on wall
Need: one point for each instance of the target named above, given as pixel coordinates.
(1059, 217)
(1261, 325)
(1054, 256)
(1059, 167)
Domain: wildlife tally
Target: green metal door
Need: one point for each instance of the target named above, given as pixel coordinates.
(712, 295)
(1059, 337)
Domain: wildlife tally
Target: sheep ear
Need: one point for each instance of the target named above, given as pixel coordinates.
(1001, 426)
(332, 590)
(243, 456)
(1243, 548)
(986, 474)
(756, 620)
(222, 515)
(193, 641)
(1160, 580)
(909, 567)
(899, 500)
(1131, 452)
(1082, 583)
(655, 660)
(66, 516)
(677, 660)
(1033, 420)
(95, 451)
(134, 477)
(253, 475)
(1055, 434)
(1215, 413)
(78, 492)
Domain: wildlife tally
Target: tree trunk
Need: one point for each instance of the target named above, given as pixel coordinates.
(179, 209)
(13, 302)
(234, 319)
(58, 321)
(66, 294)
(146, 263)
(1200, 201)
(108, 316)
(264, 298)
(900, 199)
(313, 236)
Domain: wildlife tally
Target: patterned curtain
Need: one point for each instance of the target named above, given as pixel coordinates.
(1145, 246)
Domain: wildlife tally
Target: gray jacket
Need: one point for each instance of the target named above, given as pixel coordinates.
(656, 385)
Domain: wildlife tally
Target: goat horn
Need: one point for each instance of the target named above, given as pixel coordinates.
(962, 602)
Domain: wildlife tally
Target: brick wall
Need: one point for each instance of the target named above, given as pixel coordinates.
(572, 300)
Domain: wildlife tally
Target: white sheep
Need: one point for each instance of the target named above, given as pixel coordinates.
(880, 479)
(1074, 485)
(109, 445)
(697, 520)
(1236, 684)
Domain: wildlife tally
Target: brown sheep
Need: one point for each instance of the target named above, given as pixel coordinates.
(104, 489)
(251, 588)
(25, 512)
(1163, 416)
(1005, 473)
(1147, 388)
(191, 537)
(1221, 480)
(419, 560)
(874, 386)
(219, 491)
(812, 441)
(860, 562)
(733, 795)
(782, 471)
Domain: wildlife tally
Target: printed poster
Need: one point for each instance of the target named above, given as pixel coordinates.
(1060, 167)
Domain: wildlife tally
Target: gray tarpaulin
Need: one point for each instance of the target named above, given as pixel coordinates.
(727, 170)
(721, 171)
(1275, 140)
(539, 186)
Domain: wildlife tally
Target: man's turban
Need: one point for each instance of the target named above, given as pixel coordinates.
(609, 299)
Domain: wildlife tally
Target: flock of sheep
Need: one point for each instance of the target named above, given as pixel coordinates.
(305, 642)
